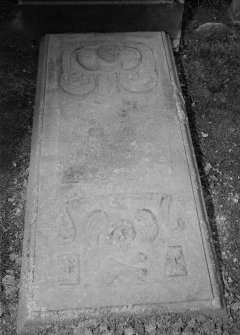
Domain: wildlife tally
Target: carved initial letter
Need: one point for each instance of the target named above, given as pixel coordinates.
(175, 263)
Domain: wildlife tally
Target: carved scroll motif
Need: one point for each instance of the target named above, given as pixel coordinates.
(175, 263)
(67, 229)
(108, 68)
(172, 213)
(96, 224)
(146, 224)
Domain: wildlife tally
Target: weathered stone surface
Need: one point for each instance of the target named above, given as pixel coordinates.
(115, 217)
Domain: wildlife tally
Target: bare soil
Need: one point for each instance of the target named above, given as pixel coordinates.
(209, 72)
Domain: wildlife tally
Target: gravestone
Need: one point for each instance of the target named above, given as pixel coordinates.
(115, 220)
(61, 16)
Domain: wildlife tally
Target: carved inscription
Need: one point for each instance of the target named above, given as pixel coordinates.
(107, 68)
(68, 269)
(123, 239)
(175, 262)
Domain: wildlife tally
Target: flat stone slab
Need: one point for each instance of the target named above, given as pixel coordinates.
(115, 220)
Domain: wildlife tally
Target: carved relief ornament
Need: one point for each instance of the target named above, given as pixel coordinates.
(108, 68)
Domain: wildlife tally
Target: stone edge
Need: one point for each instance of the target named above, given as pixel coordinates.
(210, 254)
(27, 271)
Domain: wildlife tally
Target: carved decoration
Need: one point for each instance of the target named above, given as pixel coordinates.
(67, 229)
(175, 263)
(68, 269)
(172, 213)
(121, 237)
(120, 234)
(164, 208)
(124, 263)
(146, 225)
(108, 68)
(97, 222)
